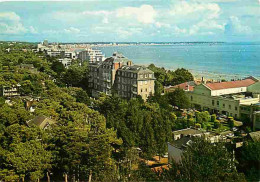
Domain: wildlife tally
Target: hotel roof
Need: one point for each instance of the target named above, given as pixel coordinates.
(255, 135)
(117, 57)
(231, 84)
(136, 68)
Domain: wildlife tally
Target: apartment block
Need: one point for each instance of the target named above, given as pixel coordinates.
(117, 74)
(91, 55)
(134, 80)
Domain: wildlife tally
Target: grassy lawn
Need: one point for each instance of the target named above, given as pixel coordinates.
(224, 127)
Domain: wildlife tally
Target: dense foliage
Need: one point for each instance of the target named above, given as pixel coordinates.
(105, 139)
(249, 160)
(166, 77)
(204, 161)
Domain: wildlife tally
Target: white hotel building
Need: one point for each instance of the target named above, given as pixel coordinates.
(239, 99)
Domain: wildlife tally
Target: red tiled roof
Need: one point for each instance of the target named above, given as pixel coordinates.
(230, 84)
(184, 86)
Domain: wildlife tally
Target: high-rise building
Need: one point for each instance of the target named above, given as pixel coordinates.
(91, 55)
(45, 42)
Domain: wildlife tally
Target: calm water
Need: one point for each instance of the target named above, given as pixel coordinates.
(216, 61)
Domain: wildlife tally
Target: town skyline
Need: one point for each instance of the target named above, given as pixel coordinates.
(130, 21)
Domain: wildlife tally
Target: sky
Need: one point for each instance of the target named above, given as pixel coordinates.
(130, 20)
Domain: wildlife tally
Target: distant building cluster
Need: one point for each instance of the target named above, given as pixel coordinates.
(69, 52)
(118, 74)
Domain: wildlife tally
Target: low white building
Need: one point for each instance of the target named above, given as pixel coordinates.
(225, 97)
(66, 62)
(182, 138)
(11, 91)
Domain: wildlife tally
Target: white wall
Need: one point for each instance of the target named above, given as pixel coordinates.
(228, 91)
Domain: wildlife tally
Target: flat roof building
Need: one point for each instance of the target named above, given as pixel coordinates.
(91, 55)
(228, 98)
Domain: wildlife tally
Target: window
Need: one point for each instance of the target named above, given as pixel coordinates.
(213, 102)
(236, 108)
(145, 75)
(229, 106)
(145, 82)
(150, 75)
(191, 98)
(223, 105)
(146, 89)
(217, 103)
(141, 76)
(141, 82)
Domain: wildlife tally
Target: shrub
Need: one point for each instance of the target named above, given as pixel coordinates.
(231, 122)
(190, 122)
(213, 118)
(217, 124)
(209, 127)
(197, 125)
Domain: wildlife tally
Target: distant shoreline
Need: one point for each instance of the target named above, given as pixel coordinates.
(221, 61)
(198, 74)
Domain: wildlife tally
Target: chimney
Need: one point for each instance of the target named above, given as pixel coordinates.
(202, 80)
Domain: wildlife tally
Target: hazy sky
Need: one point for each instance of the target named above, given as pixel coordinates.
(130, 20)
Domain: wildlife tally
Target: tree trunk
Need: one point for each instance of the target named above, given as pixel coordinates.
(66, 177)
(74, 178)
(48, 177)
(22, 179)
(90, 175)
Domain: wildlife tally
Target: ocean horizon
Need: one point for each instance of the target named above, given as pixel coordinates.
(211, 60)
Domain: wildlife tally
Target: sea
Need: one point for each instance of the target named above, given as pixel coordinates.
(211, 60)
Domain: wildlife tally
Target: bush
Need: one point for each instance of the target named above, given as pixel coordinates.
(197, 125)
(209, 128)
(190, 122)
(217, 124)
(213, 118)
(231, 122)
